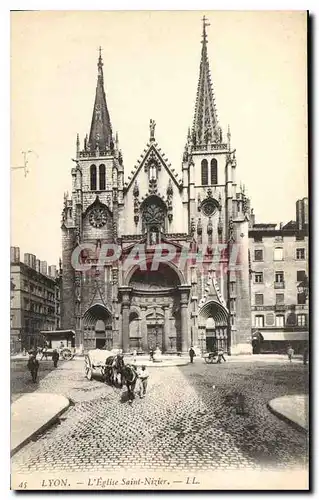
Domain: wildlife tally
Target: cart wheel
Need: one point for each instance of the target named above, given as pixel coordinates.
(207, 360)
(67, 354)
(88, 369)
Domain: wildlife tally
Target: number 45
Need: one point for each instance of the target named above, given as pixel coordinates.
(23, 484)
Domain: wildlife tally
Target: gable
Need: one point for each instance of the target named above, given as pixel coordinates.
(152, 153)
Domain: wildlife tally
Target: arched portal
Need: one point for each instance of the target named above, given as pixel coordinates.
(212, 322)
(97, 326)
(257, 340)
(156, 295)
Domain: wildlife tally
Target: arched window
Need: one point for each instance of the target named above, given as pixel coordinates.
(204, 172)
(213, 172)
(153, 172)
(93, 177)
(154, 212)
(102, 178)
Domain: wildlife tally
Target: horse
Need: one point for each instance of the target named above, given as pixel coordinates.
(130, 376)
(113, 369)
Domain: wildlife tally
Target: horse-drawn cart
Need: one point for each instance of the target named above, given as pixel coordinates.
(95, 362)
(65, 353)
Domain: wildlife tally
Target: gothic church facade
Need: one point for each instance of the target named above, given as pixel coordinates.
(199, 208)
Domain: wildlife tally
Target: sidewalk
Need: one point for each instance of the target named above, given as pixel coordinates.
(293, 409)
(270, 358)
(26, 419)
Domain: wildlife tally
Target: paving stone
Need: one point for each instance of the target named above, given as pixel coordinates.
(182, 423)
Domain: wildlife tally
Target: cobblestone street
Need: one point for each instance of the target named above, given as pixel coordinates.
(188, 420)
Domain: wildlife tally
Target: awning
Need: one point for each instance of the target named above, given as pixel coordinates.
(285, 336)
(58, 332)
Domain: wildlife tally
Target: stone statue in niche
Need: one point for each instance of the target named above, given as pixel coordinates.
(153, 237)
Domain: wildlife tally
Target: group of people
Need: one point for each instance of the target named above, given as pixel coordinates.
(291, 352)
(219, 353)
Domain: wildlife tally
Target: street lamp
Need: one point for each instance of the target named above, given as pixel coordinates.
(303, 287)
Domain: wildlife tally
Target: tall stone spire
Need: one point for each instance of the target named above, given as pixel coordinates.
(100, 137)
(206, 128)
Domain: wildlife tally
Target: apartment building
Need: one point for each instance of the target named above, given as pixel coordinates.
(279, 264)
(35, 300)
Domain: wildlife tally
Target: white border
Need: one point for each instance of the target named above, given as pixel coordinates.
(5, 149)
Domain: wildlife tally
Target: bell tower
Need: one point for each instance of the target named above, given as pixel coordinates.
(217, 221)
(91, 217)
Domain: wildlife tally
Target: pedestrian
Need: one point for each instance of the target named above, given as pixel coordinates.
(134, 355)
(45, 351)
(143, 377)
(191, 354)
(151, 354)
(290, 353)
(55, 358)
(221, 356)
(33, 366)
(305, 355)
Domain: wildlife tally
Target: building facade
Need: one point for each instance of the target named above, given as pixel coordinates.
(279, 263)
(35, 301)
(195, 210)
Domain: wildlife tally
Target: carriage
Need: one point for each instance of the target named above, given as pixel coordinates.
(50, 340)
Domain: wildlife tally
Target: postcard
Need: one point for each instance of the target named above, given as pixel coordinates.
(159, 250)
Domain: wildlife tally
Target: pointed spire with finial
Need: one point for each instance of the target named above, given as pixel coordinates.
(206, 128)
(77, 144)
(100, 137)
(228, 137)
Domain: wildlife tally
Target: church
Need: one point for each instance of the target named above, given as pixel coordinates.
(195, 217)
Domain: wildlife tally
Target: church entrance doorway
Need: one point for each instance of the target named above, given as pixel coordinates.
(154, 336)
(155, 296)
(213, 327)
(97, 328)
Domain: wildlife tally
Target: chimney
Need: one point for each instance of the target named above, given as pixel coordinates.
(52, 271)
(299, 215)
(43, 267)
(15, 254)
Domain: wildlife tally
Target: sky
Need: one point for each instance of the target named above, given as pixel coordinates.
(151, 67)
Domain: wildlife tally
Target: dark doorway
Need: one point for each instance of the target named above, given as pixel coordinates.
(154, 336)
(210, 344)
(100, 343)
(256, 346)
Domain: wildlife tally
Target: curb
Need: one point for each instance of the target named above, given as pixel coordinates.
(292, 423)
(41, 429)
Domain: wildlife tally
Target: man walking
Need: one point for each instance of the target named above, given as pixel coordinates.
(134, 355)
(55, 358)
(45, 351)
(191, 354)
(33, 366)
(143, 376)
(290, 353)
(305, 355)
(221, 356)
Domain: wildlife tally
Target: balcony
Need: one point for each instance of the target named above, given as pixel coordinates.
(279, 284)
(280, 307)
